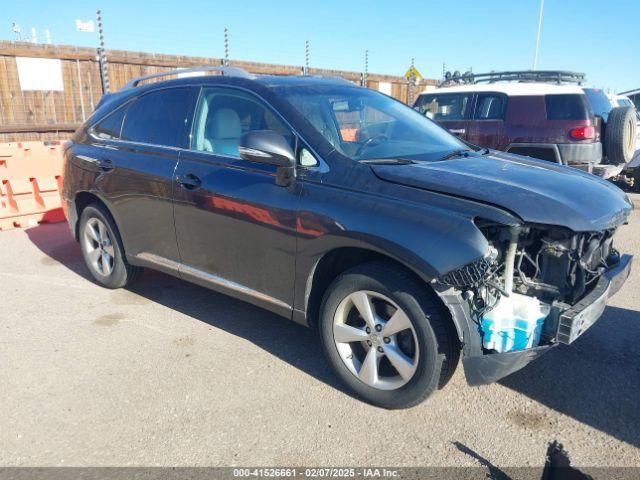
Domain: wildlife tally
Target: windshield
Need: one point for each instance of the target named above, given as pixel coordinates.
(364, 125)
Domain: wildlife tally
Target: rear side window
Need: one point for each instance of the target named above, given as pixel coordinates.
(110, 127)
(567, 107)
(159, 118)
(490, 106)
(442, 107)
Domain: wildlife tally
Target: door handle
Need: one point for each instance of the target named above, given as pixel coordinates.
(189, 181)
(105, 165)
(458, 131)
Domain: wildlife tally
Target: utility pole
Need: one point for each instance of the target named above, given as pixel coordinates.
(535, 56)
(225, 61)
(102, 57)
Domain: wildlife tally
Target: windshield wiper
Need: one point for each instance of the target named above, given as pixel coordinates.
(456, 154)
(388, 161)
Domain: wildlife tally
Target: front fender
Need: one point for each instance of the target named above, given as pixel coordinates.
(429, 238)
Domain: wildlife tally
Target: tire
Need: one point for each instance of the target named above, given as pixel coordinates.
(620, 135)
(430, 347)
(102, 249)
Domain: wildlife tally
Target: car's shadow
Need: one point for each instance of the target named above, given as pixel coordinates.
(596, 380)
(292, 343)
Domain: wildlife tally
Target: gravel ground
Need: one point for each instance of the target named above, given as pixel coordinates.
(168, 373)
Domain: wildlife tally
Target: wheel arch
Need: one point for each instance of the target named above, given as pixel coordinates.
(81, 201)
(337, 261)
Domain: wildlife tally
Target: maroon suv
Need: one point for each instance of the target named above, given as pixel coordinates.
(554, 122)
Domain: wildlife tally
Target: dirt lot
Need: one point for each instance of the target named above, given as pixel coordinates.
(168, 373)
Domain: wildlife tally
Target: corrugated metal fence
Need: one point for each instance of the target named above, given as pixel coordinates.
(54, 114)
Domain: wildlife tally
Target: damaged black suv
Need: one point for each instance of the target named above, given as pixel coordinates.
(347, 211)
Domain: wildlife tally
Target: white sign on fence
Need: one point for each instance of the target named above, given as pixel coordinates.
(384, 87)
(85, 26)
(40, 74)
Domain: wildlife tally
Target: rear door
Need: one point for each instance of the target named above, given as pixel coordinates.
(137, 163)
(450, 110)
(486, 127)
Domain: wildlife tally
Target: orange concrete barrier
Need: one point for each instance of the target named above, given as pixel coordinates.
(30, 182)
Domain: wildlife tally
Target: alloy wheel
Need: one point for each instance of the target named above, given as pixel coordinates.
(376, 340)
(99, 247)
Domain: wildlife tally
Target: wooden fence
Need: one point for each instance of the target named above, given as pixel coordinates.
(45, 115)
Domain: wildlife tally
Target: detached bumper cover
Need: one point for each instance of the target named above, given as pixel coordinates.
(484, 369)
(575, 321)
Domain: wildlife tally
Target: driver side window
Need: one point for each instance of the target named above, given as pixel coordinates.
(223, 115)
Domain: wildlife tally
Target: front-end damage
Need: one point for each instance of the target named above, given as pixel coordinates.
(569, 274)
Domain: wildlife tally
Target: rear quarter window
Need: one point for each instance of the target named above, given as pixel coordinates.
(567, 107)
(109, 128)
(599, 102)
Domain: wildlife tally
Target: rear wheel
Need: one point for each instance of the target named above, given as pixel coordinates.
(386, 336)
(102, 249)
(620, 135)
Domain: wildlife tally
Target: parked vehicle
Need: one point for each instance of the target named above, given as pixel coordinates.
(634, 96)
(347, 211)
(621, 101)
(631, 171)
(546, 115)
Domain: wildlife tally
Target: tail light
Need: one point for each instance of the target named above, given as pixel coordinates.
(585, 132)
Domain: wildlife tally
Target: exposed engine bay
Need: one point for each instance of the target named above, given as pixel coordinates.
(540, 270)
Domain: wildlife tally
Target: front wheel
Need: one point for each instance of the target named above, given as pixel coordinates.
(387, 337)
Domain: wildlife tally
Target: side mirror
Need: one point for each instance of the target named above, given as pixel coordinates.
(266, 146)
(271, 148)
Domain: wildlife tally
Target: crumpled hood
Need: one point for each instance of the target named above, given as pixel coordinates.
(535, 190)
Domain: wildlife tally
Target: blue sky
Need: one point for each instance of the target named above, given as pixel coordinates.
(601, 38)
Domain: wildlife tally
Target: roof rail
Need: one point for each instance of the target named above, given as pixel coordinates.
(229, 71)
(544, 76)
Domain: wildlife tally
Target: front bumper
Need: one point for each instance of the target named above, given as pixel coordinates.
(577, 319)
(573, 322)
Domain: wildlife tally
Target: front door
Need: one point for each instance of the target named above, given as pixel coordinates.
(236, 228)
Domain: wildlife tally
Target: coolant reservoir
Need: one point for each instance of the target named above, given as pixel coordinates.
(515, 323)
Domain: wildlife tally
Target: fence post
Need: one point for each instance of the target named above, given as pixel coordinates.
(412, 80)
(305, 69)
(102, 58)
(225, 60)
(365, 76)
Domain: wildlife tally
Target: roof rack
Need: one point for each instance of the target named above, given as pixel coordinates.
(229, 71)
(543, 76)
